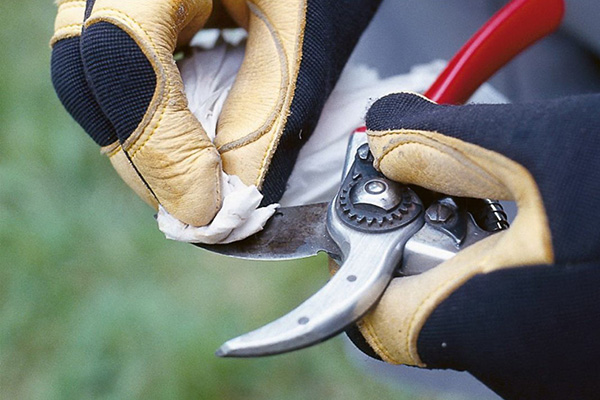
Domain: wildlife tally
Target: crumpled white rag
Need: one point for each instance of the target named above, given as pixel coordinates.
(208, 75)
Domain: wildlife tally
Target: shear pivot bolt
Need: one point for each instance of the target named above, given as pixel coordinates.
(375, 187)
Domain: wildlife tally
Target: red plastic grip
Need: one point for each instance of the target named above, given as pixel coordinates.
(512, 29)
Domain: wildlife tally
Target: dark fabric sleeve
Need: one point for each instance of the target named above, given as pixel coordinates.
(527, 333)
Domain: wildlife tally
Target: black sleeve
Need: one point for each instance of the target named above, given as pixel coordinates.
(527, 333)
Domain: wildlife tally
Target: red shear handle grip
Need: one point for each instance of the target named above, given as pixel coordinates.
(512, 29)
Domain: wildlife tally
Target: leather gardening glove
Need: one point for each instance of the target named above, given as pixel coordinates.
(113, 69)
(520, 310)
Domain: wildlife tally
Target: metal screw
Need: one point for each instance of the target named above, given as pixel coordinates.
(375, 186)
(440, 212)
(363, 152)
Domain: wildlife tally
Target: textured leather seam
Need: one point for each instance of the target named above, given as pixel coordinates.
(65, 32)
(398, 145)
(163, 110)
(111, 149)
(399, 131)
(292, 91)
(79, 25)
(260, 132)
(374, 342)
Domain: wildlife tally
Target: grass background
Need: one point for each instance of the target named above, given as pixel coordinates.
(94, 302)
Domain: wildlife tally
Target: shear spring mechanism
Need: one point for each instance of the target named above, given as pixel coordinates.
(495, 218)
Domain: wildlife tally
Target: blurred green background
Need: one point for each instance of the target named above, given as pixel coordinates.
(94, 302)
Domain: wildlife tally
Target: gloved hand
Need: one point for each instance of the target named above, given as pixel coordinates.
(113, 69)
(520, 310)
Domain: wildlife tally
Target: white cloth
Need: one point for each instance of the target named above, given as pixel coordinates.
(238, 218)
(208, 76)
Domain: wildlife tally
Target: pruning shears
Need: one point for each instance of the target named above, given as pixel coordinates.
(375, 228)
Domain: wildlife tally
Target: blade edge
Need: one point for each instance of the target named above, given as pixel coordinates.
(292, 233)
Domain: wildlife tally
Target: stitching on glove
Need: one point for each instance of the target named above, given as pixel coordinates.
(65, 32)
(283, 62)
(378, 346)
(291, 90)
(68, 26)
(443, 287)
(160, 104)
(70, 30)
(485, 175)
(157, 125)
(111, 149)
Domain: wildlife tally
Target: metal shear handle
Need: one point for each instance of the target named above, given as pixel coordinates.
(382, 230)
(371, 219)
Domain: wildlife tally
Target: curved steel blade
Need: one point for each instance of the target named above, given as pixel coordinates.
(368, 267)
(292, 232)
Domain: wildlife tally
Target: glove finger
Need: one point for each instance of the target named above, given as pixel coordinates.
(127, 52)
(68, 78)
(295, 53)
(423, 155)
(554, 141)
(538, 135)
